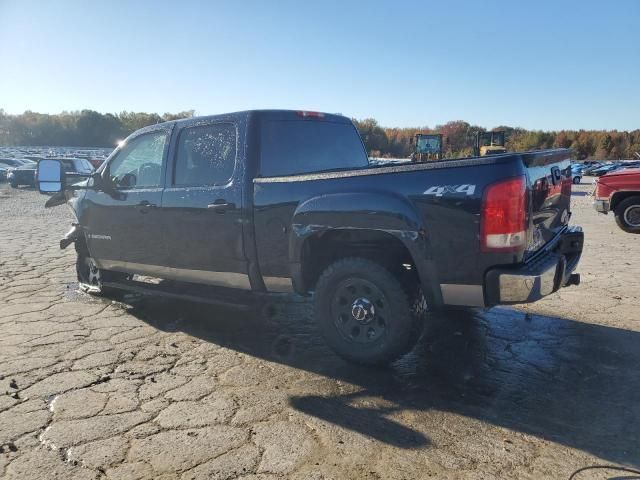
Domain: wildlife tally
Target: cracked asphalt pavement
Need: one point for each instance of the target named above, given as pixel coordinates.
(150, 388)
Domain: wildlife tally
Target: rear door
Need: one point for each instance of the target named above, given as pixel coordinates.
(123, 227)
(202, 207)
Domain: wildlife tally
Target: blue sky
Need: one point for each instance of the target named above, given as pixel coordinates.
(537, 64)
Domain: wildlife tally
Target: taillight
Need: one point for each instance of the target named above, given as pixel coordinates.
(503, 219)
(306, 114)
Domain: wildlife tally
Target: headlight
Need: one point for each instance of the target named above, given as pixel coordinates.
(10, 175)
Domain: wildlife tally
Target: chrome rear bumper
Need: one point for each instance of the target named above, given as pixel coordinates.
(541, 276)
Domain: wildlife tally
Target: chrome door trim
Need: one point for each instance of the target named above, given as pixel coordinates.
(222, 279)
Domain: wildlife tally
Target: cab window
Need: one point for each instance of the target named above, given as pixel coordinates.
(206, 155)
(139, 163)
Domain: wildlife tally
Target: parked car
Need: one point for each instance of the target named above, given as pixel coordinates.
(22, 175)
(274, 201)
(631, 164)
(576, 174)
(591, 163)
(576, 177)
(15, 162)
(611, 167)
(619, 192)
(26, 175)
(595, 166)
(96, 162)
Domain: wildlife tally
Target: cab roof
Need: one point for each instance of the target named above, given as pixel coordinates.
(271, 114)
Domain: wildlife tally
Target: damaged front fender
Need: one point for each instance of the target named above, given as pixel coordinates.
(71, 236)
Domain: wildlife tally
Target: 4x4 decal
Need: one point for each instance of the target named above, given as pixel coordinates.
(439, 191)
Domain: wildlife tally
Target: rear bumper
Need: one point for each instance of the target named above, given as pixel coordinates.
(601, 206)
(544, 274)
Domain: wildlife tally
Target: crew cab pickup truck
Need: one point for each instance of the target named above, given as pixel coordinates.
(275, 201)
(619, 192)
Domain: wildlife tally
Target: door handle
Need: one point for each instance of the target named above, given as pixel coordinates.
(220, 206)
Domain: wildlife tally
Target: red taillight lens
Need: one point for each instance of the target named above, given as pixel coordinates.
(503, 220)
(306, 114)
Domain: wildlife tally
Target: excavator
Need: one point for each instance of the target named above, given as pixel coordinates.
(490, 143)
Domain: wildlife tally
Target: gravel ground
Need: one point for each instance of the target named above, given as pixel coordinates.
(150, 388)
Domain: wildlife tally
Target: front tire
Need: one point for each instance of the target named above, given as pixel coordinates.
(627, 214)
(90, 277)
(577, 180)
(364, 313)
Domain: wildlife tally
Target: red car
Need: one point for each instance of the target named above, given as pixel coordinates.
(96, 162)
(619, 192)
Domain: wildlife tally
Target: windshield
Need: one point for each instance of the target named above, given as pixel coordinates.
(491, 138)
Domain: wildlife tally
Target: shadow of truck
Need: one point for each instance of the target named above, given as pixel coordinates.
(562, 380)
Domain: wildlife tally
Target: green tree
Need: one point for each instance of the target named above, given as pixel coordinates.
(373, 136)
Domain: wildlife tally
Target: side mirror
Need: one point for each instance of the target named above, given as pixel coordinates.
(50, 175)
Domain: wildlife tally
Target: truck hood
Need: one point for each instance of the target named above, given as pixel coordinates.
(628, 179)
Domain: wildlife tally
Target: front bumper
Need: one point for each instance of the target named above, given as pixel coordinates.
(544, 274)
(601, 206)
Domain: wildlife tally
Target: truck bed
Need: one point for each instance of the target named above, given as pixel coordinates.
(436, 203)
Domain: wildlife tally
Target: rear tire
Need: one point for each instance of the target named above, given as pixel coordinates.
(627, 214)
(364, 314)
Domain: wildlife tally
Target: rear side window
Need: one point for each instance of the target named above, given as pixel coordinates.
(206, 155)
(290, 147)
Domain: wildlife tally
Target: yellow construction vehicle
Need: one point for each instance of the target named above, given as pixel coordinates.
(490, 143)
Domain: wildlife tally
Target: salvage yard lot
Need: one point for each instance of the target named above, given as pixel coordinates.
(152, 388)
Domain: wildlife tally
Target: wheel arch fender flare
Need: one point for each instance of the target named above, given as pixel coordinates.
(374, 211)
(620, 195)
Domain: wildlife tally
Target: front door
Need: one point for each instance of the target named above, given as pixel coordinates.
(123, 226)
(202, 208)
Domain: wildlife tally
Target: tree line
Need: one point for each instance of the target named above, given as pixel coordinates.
(459, 139)
(88, 128)
(85, 128)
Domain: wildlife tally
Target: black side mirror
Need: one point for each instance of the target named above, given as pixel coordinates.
(50, 176)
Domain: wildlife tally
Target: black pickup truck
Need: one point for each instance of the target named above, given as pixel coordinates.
(278, 201)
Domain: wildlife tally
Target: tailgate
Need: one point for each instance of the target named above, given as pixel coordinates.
(550, 181)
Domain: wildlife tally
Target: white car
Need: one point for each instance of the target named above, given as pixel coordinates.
(576, 176)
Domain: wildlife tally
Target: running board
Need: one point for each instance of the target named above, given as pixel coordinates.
(189, 292)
